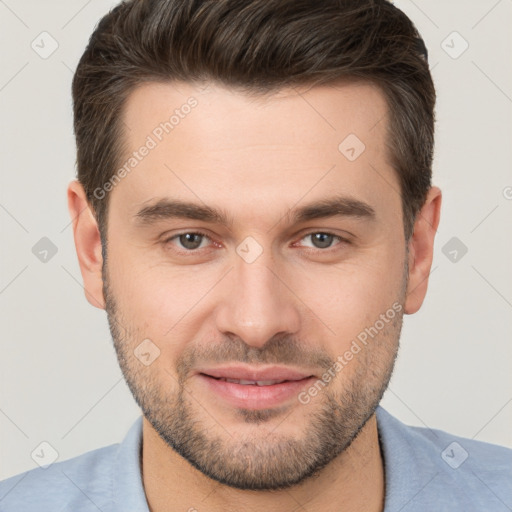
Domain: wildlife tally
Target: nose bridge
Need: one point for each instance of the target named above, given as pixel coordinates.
(258, 305)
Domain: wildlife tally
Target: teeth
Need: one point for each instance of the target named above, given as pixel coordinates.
(268, 382)
(252, 382)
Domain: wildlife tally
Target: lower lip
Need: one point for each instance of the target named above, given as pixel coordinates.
(251, 396)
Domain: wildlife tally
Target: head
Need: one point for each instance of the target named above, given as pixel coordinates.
(254, 190)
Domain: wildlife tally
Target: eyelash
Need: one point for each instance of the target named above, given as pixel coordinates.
(309, 249)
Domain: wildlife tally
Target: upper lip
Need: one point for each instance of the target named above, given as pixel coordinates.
(254, 373)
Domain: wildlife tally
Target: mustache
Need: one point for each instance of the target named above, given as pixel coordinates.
(278, 350)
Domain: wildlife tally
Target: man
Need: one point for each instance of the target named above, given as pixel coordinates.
(254, 211)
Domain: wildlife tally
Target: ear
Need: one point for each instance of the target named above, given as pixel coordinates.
(421, 249)
(88, 244)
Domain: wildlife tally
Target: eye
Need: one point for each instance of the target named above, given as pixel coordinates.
(322, 240)
(190, 241)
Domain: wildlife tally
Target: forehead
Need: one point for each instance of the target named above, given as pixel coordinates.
(325, 112)
(225, 147)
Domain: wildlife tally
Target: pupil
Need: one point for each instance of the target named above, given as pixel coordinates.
(322, 240)
(190, 240)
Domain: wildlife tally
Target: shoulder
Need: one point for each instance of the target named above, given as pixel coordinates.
(433, 467)
(83, 483)
(444, 446)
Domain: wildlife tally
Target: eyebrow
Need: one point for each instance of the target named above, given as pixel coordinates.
(338, 206)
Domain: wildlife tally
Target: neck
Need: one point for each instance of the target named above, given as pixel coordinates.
(354, 481)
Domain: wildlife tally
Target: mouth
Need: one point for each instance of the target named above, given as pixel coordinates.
(250, 382)
(254, 388)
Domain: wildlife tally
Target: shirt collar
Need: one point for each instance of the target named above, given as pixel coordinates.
(407, 471)
(128, 489)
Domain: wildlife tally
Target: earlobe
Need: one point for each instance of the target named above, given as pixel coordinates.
(421, 250)
(87, 243)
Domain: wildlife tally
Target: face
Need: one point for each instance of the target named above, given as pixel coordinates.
(256, 273)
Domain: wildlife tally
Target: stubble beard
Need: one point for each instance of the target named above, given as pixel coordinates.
(272, 460)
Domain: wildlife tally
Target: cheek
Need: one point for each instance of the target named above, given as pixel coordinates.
(350, 297)
(154, 298)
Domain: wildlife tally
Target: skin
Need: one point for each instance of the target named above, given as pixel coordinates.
(257, 159)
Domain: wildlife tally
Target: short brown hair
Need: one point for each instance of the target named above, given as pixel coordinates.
(258, 46)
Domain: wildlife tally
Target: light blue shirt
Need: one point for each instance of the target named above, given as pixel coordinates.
(425, 470)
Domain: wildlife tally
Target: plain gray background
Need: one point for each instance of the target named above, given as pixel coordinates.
(60, 380)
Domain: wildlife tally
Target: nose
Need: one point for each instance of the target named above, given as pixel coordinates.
(257, 303)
